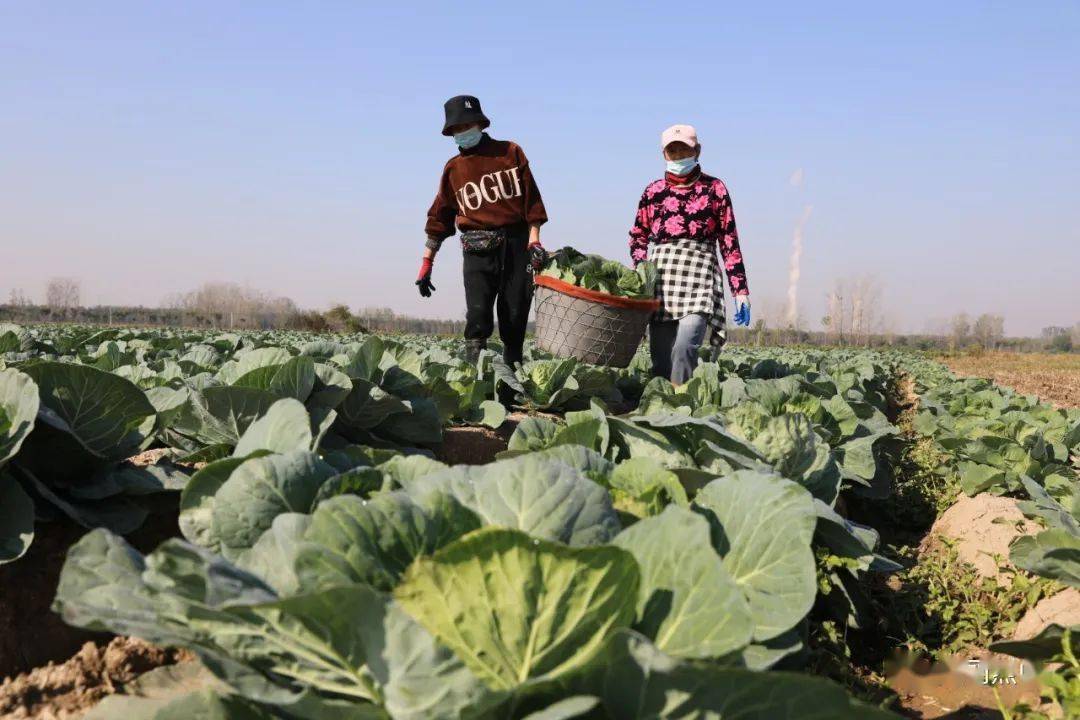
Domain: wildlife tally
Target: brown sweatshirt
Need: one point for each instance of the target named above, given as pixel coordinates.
(482, 188)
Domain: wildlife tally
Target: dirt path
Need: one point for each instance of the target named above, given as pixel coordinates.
(954, 687)
(923, 513)
(69, 689)
(1053, 378)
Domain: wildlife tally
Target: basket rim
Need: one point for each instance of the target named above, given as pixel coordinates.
(595, 295)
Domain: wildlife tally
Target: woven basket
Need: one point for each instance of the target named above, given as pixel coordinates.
(592, 326)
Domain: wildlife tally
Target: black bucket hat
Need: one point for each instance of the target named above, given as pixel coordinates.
(463, 110)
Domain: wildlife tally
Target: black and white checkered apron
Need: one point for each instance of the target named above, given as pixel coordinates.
(689, 280)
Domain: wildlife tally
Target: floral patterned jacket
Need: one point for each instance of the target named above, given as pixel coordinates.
(700, 209)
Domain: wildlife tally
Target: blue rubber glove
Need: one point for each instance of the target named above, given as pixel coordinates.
(742, 310)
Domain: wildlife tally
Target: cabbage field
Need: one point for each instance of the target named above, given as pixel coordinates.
(722, 549)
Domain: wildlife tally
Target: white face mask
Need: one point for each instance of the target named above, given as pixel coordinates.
(682, 167)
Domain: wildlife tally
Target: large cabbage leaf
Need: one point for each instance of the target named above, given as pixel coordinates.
(342, 647)
(285, 427)
(1052, 553)
(516, 609)
(351, 540)
(16, 519)
(763, 526)
(642, 683)
(688, 603)
(220, 415)
(87, 418)
(19, 405)
(546, 498)
(259, 490)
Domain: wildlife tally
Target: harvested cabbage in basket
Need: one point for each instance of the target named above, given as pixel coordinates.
(594, 272)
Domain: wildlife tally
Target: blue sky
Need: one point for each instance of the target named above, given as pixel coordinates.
(148, 147)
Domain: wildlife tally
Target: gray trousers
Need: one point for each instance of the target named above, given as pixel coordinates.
(674, 346)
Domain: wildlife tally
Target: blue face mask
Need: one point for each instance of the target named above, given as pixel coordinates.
(469, 138)
(682, 167)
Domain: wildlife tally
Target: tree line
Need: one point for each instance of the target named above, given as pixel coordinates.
(222, 305)
(853, 317)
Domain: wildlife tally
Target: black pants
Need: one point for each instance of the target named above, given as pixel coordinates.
(499, 279)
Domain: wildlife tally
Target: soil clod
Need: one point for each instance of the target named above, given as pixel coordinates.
(66, 690)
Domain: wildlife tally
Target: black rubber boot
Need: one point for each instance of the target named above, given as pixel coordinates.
(472, 350)
(506, 395)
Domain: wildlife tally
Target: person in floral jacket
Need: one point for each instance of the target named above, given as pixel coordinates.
(682, 220)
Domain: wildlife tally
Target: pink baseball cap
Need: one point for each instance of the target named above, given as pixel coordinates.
(679, 133)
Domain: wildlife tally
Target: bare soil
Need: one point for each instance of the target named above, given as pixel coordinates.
(1062, 609)
(956, 689)
(69, 689)
(905, 403)
(982, 528)
(953, 690)
(1054, 378)
(33, 634)
(149, 457)
(476, 444)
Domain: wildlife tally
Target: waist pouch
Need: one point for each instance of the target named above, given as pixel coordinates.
(479, 241)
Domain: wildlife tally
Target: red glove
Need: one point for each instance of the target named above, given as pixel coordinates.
(423, 280)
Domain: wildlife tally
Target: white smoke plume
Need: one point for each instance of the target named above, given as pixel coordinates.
(794, 268)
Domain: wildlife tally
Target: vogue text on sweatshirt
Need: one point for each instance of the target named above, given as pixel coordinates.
(485, 187)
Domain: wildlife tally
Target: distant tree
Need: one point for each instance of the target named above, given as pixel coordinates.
(853, 308)
(959, 330)
(759, 331)
(988, 330)
(1061, 343)
(62, 295)
(311, 320)
(341, 319)
(230, 305)
(16, 298)
(1052, 331)
(835, 302)
(888, 330)
(865, 308)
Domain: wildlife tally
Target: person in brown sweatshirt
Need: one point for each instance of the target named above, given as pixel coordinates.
(488, 194)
